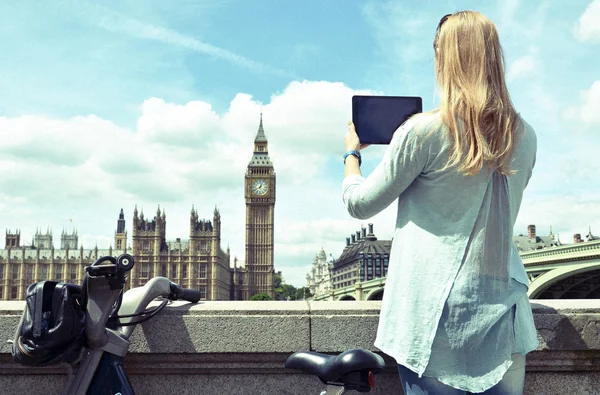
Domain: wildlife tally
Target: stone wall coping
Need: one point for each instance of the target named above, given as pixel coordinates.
(282, 327)
(539, 306)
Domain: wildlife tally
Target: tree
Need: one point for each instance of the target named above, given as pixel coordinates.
(288, 292)
(277, 283)
(261, 296)
(285, 291)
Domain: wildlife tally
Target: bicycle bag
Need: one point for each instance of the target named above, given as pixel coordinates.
(51, 330)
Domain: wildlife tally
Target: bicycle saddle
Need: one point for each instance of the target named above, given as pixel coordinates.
(332, 368)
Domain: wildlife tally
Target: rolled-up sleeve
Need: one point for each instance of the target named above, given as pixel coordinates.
(405, 158)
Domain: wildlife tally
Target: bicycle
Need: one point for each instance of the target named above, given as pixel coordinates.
(111, 318)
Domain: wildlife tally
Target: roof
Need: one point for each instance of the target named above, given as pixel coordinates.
(260, 160)
(176, 246)
(260, 135)
(525, 244)
(366, 245)
(590, 236)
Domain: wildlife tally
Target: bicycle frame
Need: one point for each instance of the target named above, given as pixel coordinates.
(101, 369)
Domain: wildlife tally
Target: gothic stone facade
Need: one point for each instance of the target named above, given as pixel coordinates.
(197, 263)
(318, 280)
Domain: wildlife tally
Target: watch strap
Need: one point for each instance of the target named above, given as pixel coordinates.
(355, 153)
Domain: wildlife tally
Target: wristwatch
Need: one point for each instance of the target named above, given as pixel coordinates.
(355, 153)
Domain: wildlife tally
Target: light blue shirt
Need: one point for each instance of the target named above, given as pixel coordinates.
(455, 305)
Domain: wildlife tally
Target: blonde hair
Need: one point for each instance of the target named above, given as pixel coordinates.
(474, 102)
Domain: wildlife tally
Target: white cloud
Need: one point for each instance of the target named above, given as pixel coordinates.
(567, 215)
(588, 28)
(86, 169)
(521, 67)
(589, 109)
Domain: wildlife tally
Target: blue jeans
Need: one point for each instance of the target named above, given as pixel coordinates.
(511, 384)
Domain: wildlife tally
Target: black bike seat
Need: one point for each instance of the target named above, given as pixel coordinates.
(330, 368)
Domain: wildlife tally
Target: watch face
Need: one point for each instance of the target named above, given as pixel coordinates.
(260, 187)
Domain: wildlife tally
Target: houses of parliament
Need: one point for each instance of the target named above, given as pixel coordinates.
(199, 262)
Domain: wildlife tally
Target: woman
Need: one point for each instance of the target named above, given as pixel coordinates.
(455, 314)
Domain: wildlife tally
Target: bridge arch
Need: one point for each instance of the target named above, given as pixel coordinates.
(376, 294)
(581, 281)
(347, 297)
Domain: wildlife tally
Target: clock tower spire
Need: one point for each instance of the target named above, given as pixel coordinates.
(260, 209)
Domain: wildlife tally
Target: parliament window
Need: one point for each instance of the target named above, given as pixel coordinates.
(13, 292)
(44, 272)
(15, 272)
(1, 292)
(73, 272)
(203, 292)
(174, 270)
(29, 272)
(59, 269)
(145, 270)
(184, 271)
(163, 270)
(2, 271)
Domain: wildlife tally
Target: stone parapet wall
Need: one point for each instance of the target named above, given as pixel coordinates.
(240, 348)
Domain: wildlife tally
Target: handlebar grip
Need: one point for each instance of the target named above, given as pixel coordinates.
(191, 295)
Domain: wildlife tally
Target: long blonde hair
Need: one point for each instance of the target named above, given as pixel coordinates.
(474, 102)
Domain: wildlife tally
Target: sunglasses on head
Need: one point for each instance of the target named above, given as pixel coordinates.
(437, 30)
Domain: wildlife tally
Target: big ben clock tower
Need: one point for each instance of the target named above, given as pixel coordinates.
(260, 210)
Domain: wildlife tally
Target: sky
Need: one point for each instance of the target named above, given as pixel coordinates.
(151, 103)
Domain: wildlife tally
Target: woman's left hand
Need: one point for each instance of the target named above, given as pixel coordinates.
(351, 139)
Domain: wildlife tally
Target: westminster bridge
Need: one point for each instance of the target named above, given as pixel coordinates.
(565, 272)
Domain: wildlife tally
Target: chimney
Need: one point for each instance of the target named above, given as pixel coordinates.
(364, 233)
(371, 230)
(531, 232)
(357, 235)
(353, 236)
(347, 241)
(577, 238)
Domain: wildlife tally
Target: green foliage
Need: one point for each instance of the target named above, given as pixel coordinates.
(261, 296)
(289, 292)
(277, 282)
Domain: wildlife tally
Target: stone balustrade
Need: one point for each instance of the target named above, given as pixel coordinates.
(240, 348)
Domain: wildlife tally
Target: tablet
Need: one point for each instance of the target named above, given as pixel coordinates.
(376, 118)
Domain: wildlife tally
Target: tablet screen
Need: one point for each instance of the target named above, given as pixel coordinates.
(376, 118)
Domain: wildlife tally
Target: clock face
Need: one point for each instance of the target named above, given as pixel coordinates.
(260, 187)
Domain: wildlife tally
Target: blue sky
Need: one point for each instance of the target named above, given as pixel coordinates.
(129, 102)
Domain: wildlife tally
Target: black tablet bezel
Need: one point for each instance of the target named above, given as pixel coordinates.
(355, 117)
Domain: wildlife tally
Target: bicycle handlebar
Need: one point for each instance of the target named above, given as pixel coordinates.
(104, 283)
(191, 295)
(187, 294)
